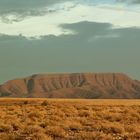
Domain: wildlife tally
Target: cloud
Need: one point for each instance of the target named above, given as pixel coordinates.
(18, 9)
(130, 1)
(19, 6)
(20, 56)
(68, 13)
(99, 37)
(82, 32)
(87, 34)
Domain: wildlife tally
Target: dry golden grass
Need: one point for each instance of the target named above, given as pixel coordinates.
(62, 119)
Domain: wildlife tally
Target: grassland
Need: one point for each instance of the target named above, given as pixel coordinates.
(52, 119)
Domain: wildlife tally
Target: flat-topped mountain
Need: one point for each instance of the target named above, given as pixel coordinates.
(76, 85)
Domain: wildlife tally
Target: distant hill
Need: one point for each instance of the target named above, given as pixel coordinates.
(76, 85)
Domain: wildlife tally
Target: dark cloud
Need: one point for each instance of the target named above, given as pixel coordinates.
(130, 1)
(7, 6)
(24, 8)
(93, 48)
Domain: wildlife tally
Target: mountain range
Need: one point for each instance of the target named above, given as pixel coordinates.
(74, 85)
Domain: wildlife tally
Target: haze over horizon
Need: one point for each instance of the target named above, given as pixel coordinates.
(56, 36)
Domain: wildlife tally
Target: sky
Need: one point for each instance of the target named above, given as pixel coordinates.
(69, 36)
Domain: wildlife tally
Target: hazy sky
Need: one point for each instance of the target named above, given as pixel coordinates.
(54, 36)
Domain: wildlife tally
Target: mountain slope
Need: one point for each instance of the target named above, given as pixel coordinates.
(77, 85)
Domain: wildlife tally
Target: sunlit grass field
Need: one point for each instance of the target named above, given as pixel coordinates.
(69, 119)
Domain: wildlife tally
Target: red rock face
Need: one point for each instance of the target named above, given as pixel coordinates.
(78, 85)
